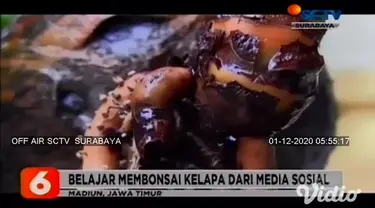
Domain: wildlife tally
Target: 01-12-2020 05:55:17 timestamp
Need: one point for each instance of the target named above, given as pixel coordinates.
(309, 141)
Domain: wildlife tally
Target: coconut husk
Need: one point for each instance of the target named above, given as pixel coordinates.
(36, 66)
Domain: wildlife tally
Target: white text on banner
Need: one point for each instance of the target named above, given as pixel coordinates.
(198, 179)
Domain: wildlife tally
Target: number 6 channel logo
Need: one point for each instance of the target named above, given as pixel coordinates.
(40, 183)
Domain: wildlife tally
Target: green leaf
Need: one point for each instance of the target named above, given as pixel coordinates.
(6, 20)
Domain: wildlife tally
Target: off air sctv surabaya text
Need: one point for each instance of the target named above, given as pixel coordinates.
(62, 140)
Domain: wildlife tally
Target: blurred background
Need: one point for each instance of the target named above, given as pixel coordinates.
(53, 67)
(350, 58)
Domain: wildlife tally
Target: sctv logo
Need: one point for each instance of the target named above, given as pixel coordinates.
(320, 15)
(315, 14)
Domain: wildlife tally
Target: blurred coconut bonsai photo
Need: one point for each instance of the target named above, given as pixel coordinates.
(6, 20)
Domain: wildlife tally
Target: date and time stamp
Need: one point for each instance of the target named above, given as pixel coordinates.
(309, 141)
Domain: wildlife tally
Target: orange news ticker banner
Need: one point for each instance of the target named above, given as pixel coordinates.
(40, 183)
